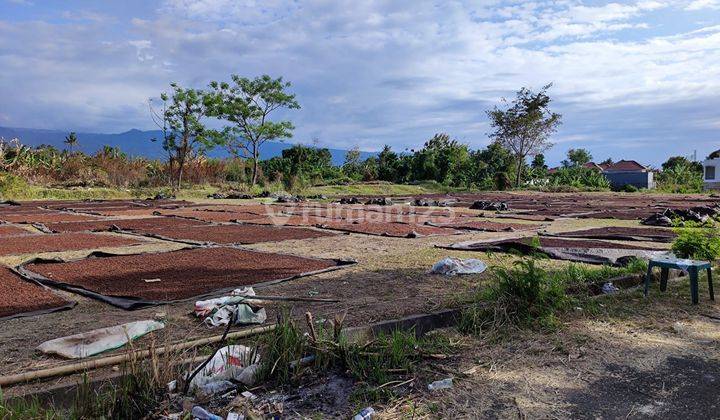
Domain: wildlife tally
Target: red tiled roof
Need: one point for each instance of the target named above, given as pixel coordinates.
(626, 166)
(592, 165)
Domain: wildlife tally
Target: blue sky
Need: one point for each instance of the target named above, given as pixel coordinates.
(634, 79)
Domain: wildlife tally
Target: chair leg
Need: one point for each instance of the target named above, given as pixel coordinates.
(710, 284)
(664, 274)
(694, 286)
(647, 279)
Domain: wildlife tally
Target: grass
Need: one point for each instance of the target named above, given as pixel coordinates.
(527, 296)
(139, 392)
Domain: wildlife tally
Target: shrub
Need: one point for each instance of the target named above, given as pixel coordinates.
(524, 296)
(697, 243)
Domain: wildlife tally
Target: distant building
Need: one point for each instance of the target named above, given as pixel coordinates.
(625, 172)
(629, 172)
(711, 171)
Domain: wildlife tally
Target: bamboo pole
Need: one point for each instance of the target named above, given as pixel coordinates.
(114, 360)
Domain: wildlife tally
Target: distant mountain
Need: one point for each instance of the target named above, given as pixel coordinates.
(136, 143)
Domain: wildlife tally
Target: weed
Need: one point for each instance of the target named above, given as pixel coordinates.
(522, 296)
(697, 243)
(283, 345)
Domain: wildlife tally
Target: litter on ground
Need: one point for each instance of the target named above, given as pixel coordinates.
(97, 341)
(451, 266)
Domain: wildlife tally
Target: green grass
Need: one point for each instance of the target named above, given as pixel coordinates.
(527, 296)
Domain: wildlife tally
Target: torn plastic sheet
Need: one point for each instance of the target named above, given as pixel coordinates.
(451, 266)
(601, 255)
(219, 311)
(98, 341)
(133, 302)
(619, 234)
(237, 362)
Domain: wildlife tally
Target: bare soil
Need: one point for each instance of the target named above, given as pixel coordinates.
(10, 230)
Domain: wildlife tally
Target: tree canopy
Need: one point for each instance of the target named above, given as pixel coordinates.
(524, 126)
(247, 104)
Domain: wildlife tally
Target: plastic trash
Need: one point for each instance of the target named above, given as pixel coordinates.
(609, 288)
(443, 384)
(216, 387)
(220, 310)
(365, 414)
(202, 414)
(234, 416)
(228, 363)
(451, 266)
(97, 341)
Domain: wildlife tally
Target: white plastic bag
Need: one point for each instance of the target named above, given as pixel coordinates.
(219, 311)
(235, 362)
(97, 341)
(451, 266)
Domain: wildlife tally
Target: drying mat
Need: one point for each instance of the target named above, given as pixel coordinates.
(131, 281)
(19, 298)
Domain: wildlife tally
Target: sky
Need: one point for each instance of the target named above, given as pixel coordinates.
(632, 80)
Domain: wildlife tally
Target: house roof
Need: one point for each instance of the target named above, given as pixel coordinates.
(626, 166)
(593, 165)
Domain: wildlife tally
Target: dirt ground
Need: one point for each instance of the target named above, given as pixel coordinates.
(625, 356)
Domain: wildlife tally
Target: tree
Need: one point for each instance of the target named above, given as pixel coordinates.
(71, 140)
(538, 162)
(577, 157)
(525, 126)
(487, 163)
(388, 164)
(247, 104)
(353, 166)
(607, 162)
(680, 161)
(182, 129)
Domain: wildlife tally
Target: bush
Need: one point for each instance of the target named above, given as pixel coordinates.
(524, 296)
(697, 243)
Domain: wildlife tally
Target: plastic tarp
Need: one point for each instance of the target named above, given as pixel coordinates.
(605, 256)
(451, 266)
(219, 311)
(97, 341)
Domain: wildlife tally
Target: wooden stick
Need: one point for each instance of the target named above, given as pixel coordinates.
(114, 360)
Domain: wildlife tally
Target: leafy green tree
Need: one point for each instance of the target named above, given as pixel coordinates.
(607, 162)
(183, 132)
(577, 157)
(681, 162)
(538, 162)
(71, 140)
(525, 125)
(441, 159)
(353, 165)
(488, 162)
(247, 104)
(388, 163)
(680, 175)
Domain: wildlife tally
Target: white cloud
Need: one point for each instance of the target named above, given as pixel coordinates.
(703, 4)
(378, 72)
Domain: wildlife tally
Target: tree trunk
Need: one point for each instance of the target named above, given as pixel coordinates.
(181, 164)
(519, 171)
(255, 165)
